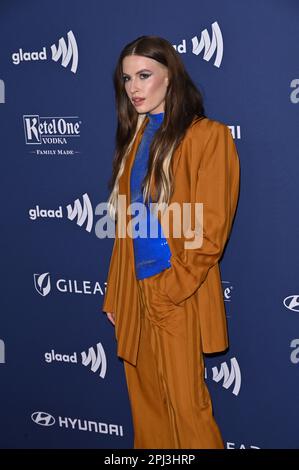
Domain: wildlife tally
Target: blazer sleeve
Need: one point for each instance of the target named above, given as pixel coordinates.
(217, 187)
(108, 304)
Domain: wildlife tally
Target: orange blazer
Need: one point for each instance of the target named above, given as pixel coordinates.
(206, 170)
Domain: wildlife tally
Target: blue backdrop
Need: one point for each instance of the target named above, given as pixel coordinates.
(62, 385)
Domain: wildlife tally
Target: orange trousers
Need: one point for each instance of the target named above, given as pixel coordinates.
(170, 403)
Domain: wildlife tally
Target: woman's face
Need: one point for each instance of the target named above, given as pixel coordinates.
(145, 82)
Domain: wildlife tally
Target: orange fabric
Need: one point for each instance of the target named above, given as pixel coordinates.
(170, 403)
(206, 170)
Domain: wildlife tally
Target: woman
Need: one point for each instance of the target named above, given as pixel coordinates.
(164, 295)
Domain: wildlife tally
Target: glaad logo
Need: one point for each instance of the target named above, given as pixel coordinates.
(2, 352)
(77, 424)
(68, 52)
(50, 130)
(95, 359)
(211, 47)
(229, 377)
(2, 92)
(292, 303)
(294, 357)
(83, 214)
(42, 418)
(42, 283)
(38, 213)
(71, 286)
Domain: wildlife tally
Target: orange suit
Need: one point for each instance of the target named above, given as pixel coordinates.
(165, 322)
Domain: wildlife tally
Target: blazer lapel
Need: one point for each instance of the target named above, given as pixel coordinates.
(125, 187)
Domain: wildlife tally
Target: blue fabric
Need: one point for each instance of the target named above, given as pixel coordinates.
(151, 253)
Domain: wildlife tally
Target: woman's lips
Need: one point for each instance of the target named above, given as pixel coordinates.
(138, 101)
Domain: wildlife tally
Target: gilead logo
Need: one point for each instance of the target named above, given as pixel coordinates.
(42, 284)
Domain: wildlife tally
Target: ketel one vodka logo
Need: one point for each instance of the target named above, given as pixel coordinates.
(64, 53)
(50, 129)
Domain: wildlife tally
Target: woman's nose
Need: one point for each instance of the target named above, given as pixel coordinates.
(133, 87)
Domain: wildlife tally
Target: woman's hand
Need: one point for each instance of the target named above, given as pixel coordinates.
(111, 317)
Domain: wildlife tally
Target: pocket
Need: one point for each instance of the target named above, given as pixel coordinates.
(159, 306)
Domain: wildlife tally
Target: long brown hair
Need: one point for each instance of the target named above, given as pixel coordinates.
(183, 103)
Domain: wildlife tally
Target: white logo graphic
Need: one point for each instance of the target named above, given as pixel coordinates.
(2, 92)
(235, 131)
(229, 377)
(71, 286)
(83, 214)
(292, 303)
(50, 129)
(209, 46)
(2, 352)
(42, 418)
(77, 424)
(294, 357)
(233, 445)
(294, 96)
(227, 291)
(67, 52)
(42, 283)
(97, 359)
(37, 212)
(21, 56)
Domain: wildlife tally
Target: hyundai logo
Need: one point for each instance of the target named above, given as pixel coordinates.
(292, 303)
(42, 418)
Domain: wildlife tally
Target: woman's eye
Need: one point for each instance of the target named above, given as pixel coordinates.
(143, 76)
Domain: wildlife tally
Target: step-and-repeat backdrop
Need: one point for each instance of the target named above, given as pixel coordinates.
(62, 385)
